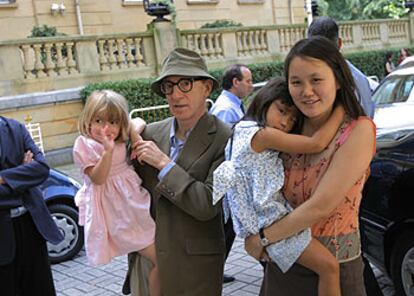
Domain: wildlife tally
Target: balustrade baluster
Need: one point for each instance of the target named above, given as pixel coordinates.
(263, 41)
(190, 42)
(256, 42)
(60, 64)
(239, 43)
(129, 57)
(248, 43)
(138, 56)
(197, 43)
(28, 62)
(71, 63)
(120, 57)
(211, 51)
(49, 64)
(283, 39)
(111, 55)
(38, 66)
(218, 47)
(103, 61)
(185, 41)
(203, 43)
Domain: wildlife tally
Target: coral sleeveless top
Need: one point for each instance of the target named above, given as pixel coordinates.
(340, 231)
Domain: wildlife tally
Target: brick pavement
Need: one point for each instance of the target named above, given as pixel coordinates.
(77, 278)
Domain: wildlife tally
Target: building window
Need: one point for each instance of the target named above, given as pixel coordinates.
(250, 1)
(8, 4)
(131, 2)
(191, 2)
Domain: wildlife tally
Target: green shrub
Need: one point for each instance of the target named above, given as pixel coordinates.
(45, 31)
(221, 24)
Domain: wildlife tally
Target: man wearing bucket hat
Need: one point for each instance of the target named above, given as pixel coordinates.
(177, 159)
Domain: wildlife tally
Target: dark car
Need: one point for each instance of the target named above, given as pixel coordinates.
(387, 210)
(59, 192)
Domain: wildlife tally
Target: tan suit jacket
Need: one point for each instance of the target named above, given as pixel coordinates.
(189, 234)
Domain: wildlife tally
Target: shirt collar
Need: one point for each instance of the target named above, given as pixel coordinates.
(173, 138)
(232, 97)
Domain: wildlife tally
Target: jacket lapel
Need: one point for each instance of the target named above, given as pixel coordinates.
(4, 130)
(162, 137)
(199, 140)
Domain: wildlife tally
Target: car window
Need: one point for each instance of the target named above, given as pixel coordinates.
(386, 91)
(394, 89)
(405, 89)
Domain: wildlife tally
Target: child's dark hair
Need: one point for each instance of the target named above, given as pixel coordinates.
(276, 89)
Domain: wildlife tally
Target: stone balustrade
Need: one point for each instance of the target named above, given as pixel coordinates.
(42, 64)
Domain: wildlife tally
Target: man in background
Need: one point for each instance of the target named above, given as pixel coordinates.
(25, 222)
(237, 84)
(327, 27)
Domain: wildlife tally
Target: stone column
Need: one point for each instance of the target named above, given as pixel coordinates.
(11, 69)
(165, 39)
(411, 26)
(229, 45)
(87, 56)
(357, 34)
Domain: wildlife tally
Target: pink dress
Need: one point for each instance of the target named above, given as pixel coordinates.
(116, 214)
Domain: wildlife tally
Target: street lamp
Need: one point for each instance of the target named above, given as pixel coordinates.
(409, 5)
(157, 9)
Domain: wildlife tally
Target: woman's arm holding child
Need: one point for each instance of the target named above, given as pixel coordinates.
(271, 138)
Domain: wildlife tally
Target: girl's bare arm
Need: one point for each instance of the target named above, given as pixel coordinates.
(271, 138)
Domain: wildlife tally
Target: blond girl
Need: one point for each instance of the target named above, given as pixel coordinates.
(113, 206)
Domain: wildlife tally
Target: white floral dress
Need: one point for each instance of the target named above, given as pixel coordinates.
(253, 183)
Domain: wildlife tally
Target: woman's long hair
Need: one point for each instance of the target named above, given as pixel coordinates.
(323, 49)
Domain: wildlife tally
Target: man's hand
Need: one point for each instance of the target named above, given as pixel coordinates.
(148, 152)
(28, 157)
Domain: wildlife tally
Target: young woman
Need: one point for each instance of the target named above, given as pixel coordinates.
(254, 176)
(324, 188)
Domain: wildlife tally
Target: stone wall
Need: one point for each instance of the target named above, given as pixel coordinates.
(57, 112)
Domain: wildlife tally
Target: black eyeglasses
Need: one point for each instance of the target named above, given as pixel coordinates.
(184, 84)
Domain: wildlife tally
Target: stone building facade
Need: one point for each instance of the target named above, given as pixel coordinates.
(92, 17)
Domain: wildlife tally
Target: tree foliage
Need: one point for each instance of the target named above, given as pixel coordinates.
(344, 10)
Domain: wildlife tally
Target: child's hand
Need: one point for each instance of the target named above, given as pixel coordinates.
(107, 140)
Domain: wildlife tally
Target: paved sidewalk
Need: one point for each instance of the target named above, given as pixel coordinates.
(77, 278)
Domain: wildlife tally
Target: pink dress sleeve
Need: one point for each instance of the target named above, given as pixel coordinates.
(86, 152)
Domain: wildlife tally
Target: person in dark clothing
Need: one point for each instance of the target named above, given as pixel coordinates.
(25, 222)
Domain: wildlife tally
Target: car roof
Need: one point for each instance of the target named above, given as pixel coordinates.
(402, 72)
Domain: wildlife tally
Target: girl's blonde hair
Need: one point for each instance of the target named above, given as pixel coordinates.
(109, 103)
